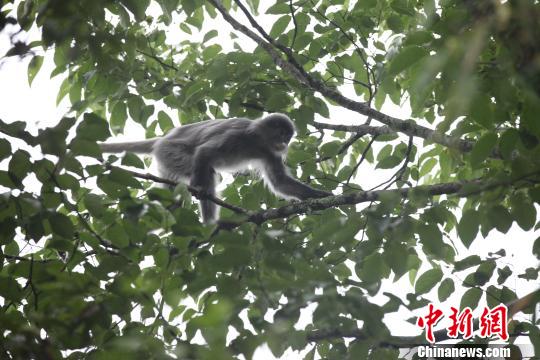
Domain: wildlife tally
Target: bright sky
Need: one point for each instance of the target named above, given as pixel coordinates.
(36, 105)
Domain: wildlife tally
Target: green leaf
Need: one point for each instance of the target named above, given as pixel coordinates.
(427, 166)
(402, 7)
(483, 148)
(131, 159)
(373, 269)
(446, 288)
(63, 90)
(341, 271)
(232, 256)
(419, 38)
(536, 248)
(500, 218)
(523, 212)
(138, 110)
(481, 111)
(484, 272)
(396, 257)
(33, 67)
(431, 239)
(118, 117)
(531, 109)
(7, 232)
(388, 162)
(117, 235)
(508, 143)
(468, 227)
(165, 121)
(93, 128)
(7, 181)
(278, 8)
(279, 26)
(94, 205)
(19, 166)
(428, 280)
(168, 6)
(469, 261)
(124, 177)
(61, 225)
(188, 223)
(209, 35)
(161, 258)
(188, 6)
(504, 274)
(395, 23)
(67, 182)
(330, 149)
(5, 149)
(384, 152)
(10, 289)
(471, 298)
(137, 7)
(534, 336)
(85, 147)
(185, 28)
(406, 58)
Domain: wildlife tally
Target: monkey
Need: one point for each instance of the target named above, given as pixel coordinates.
(193, 154)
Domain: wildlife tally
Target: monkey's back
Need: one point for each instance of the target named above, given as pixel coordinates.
(226, 141)
(209, 130)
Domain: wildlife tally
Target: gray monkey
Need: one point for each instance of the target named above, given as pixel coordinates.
(193, 154)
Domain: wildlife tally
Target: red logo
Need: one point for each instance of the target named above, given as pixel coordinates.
(462, 323)
(430, 320)
(492, 322)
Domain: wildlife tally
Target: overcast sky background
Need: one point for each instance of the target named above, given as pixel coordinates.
(36, 106)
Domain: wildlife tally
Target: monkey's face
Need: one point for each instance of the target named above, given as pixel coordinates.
(279, 139)
(276, 130)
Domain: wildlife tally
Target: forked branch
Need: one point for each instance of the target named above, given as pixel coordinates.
(291, 66)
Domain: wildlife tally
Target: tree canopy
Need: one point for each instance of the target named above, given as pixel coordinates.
(98, 262)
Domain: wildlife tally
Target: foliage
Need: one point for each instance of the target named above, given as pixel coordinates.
(120, 270)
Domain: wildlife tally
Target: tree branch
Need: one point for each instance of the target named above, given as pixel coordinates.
(195, 192)
(21, 258)
(291, 66)
(461, 189)
(359, 129)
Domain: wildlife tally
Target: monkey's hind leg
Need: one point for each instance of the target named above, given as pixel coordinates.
(204, 180)
(209, 209)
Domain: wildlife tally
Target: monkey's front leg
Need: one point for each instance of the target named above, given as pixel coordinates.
(292, 187)
(278, 176)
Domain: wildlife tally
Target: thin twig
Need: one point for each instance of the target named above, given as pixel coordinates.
(362, 158)
(358, 50)
(399, 173)
(156, 58)
(294, 22)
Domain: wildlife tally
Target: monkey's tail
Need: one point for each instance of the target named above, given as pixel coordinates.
(140, 147)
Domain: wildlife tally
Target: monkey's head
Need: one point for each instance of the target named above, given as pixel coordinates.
(277, 129)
